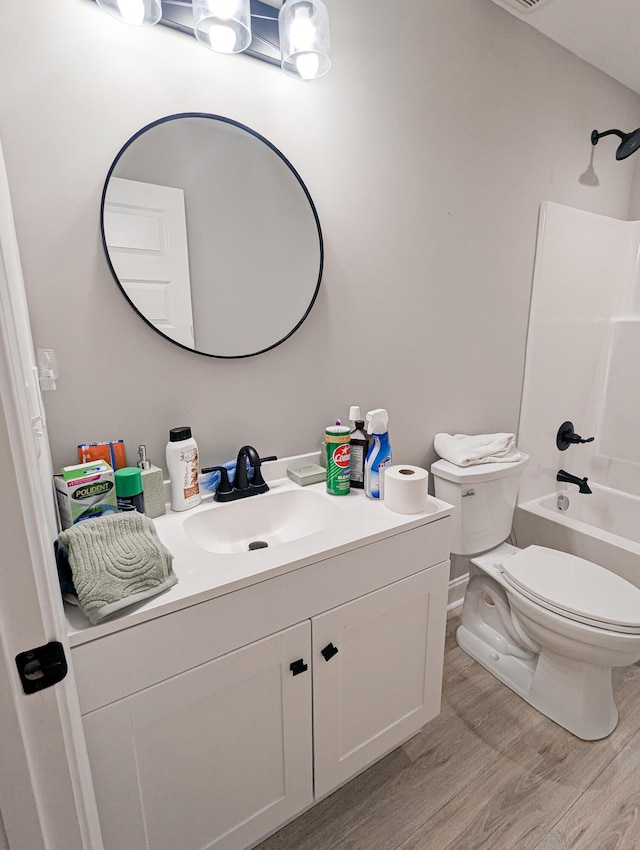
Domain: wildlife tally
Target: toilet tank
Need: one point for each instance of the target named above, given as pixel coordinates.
(484, 497)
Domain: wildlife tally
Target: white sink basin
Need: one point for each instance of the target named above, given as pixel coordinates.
(272, 519)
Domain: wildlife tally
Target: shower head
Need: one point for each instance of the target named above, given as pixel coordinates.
(629, 144)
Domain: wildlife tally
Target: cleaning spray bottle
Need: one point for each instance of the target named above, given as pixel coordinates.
(379, 454)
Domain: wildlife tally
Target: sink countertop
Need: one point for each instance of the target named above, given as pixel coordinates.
(204, 575)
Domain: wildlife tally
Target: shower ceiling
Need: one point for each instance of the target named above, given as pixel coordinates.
(605, 33)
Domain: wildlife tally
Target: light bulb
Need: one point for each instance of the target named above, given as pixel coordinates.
(222, 25)
(132, 11)
(223, 39)
(303, 26)
(303, 31)
(307, 65)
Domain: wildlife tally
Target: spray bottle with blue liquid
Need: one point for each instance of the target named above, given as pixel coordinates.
(379, 454)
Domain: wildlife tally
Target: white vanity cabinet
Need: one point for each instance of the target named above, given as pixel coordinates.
(212, 726)
(383, 683)
(214, 757)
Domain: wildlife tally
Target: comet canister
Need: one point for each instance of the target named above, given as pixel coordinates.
(338, 442)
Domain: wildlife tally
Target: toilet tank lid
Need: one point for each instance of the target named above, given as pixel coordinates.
(479, 471)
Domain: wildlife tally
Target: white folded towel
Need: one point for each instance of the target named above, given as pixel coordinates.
(464, 450)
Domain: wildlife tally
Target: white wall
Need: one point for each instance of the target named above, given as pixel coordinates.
(427, 149)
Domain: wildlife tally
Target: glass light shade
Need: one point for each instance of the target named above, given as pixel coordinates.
(304, 38)
(223, 25)
(139, 13)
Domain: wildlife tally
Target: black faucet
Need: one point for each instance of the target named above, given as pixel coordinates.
(241, 487)
(568, 478)
(241, 479)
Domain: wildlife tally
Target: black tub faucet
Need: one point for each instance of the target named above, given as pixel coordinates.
(568, 478)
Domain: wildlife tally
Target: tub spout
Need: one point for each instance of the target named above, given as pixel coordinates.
(568, 478)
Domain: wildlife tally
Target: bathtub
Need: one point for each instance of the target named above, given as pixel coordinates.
(603, 527)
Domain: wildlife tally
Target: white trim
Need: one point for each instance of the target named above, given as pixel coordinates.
(31, 610)
(457, 589)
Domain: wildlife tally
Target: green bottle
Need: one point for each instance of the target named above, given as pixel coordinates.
(338, 444)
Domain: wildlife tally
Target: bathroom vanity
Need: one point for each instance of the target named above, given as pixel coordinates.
(263, 680)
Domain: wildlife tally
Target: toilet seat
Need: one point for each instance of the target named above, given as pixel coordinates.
(574, 588)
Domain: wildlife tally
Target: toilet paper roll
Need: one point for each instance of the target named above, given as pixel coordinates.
(405, 489)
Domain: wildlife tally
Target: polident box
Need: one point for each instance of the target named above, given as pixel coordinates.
(85, 491)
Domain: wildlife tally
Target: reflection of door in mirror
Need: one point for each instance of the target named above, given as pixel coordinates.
(146, 233)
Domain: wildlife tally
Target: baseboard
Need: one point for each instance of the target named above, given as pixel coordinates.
(457, 587)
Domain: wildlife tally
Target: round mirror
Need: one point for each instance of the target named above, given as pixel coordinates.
(212, 235)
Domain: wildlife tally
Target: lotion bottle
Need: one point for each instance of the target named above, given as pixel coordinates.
(182, 465)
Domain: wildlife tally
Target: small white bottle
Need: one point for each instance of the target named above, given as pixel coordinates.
(182, 466)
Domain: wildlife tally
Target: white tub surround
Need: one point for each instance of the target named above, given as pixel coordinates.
(582, 348)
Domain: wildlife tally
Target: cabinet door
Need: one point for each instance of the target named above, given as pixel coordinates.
(213, 758)
(384, 682)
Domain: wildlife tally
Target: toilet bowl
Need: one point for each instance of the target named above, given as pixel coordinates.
(547, 624)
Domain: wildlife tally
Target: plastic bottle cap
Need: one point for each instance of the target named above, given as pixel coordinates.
(354, 414)
(178, 434)
(377, 421)
(128, 481)
(337, 430)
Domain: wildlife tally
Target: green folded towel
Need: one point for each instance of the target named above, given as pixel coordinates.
(116, 560)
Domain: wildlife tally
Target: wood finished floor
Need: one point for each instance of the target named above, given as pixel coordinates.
(489, 772)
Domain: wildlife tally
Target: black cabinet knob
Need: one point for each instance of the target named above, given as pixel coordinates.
(329, 651)
(298, 666)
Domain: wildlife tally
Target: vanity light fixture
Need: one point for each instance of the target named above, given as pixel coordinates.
(291, 33)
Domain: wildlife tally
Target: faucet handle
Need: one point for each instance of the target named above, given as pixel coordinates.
(258, 480)
(566, 436)
(224, 486)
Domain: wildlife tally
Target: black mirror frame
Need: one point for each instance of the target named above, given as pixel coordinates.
(279, 153)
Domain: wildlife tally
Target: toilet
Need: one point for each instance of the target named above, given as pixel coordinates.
(547, 624)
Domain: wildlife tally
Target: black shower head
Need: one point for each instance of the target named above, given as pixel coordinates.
(629, 144)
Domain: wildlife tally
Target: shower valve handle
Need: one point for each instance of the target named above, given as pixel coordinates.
(566, 437)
